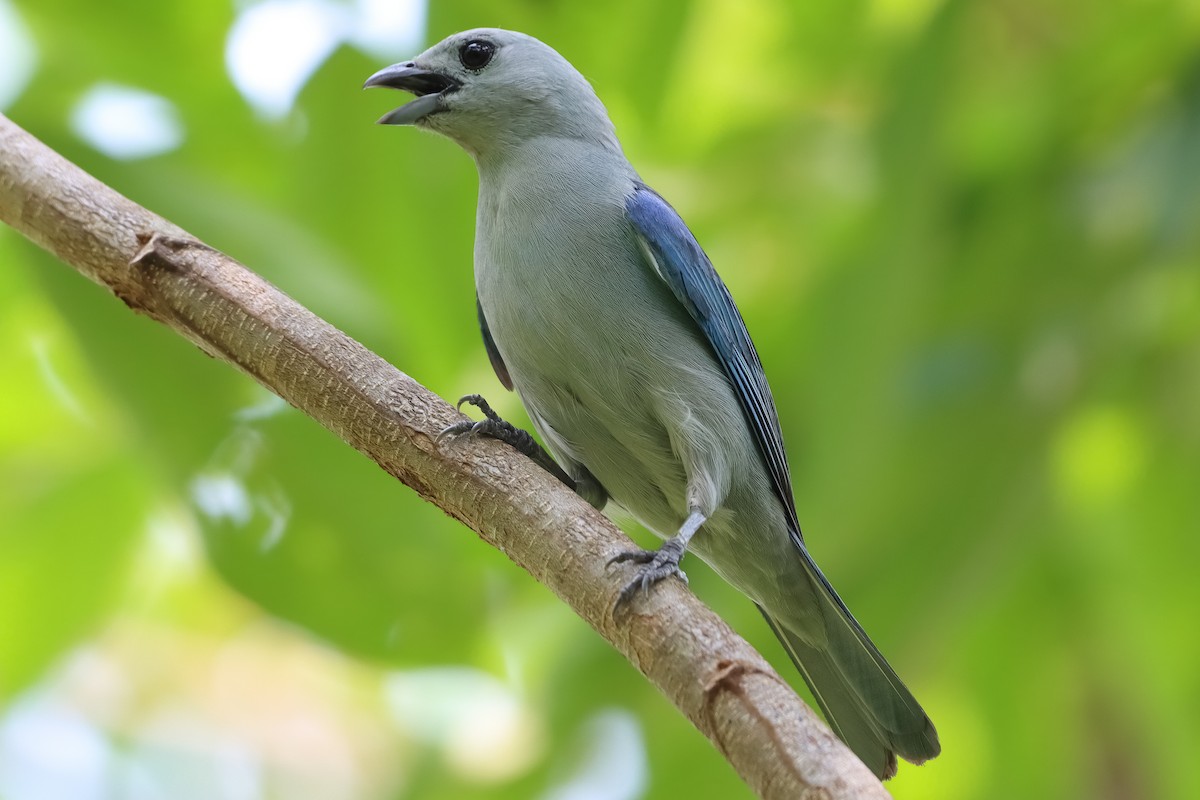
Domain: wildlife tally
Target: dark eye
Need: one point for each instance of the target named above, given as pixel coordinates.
(476, 54)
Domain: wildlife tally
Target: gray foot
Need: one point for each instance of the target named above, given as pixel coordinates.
(656, 565)
(494, 427)
(491, 426)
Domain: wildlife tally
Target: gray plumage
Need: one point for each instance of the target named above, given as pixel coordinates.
(600, 309)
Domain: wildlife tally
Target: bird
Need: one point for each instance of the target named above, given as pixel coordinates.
(598, 306)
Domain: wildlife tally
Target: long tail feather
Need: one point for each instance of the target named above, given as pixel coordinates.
(865, 702)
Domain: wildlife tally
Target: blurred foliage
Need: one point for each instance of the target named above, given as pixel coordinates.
(966, 238)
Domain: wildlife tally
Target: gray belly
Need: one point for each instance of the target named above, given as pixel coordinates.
(618, 379)
(600, 394)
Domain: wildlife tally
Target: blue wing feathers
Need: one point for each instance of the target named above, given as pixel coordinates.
(695, 283)
(681, 262)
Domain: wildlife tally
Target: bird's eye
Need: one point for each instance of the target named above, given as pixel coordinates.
(476, 54)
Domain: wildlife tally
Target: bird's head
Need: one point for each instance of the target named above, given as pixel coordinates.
(492, 90)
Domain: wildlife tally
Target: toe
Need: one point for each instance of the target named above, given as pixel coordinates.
(457, 429)
(636, 556)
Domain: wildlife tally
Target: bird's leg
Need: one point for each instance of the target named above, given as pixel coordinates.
(496, 428)
(660, 563)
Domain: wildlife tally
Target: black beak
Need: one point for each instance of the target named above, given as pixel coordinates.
(429, 87)
(409, 77)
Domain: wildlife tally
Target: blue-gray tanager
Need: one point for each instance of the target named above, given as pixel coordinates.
(599, 307)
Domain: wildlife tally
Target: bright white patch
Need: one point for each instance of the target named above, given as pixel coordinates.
(269, 406)
(278, 511)
(649, 254)
(275, 46)
(186, 754)
(485, 731)
(49, 751)
(17, 55)
(614, 767)
(385, 28)
(223, 491)
(126, 123)
(172, 543)
(221, 496)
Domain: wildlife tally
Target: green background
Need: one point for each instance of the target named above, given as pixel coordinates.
(966, 239)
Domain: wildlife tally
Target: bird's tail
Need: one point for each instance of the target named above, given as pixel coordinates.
(864, 701)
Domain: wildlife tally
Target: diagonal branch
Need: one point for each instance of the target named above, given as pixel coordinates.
(773, 740)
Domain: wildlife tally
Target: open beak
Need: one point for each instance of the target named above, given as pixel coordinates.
(429, 87)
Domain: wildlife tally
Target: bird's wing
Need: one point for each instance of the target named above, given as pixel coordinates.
(678, 259)
(490, 345)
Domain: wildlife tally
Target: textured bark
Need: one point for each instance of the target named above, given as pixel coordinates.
(773, 740)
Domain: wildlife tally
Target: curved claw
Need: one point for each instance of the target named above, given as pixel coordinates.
(471, 426)
(656, 565)
(457, 429)
(478, 401)
(496, 427)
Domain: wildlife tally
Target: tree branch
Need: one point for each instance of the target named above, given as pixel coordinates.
(728, 691)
